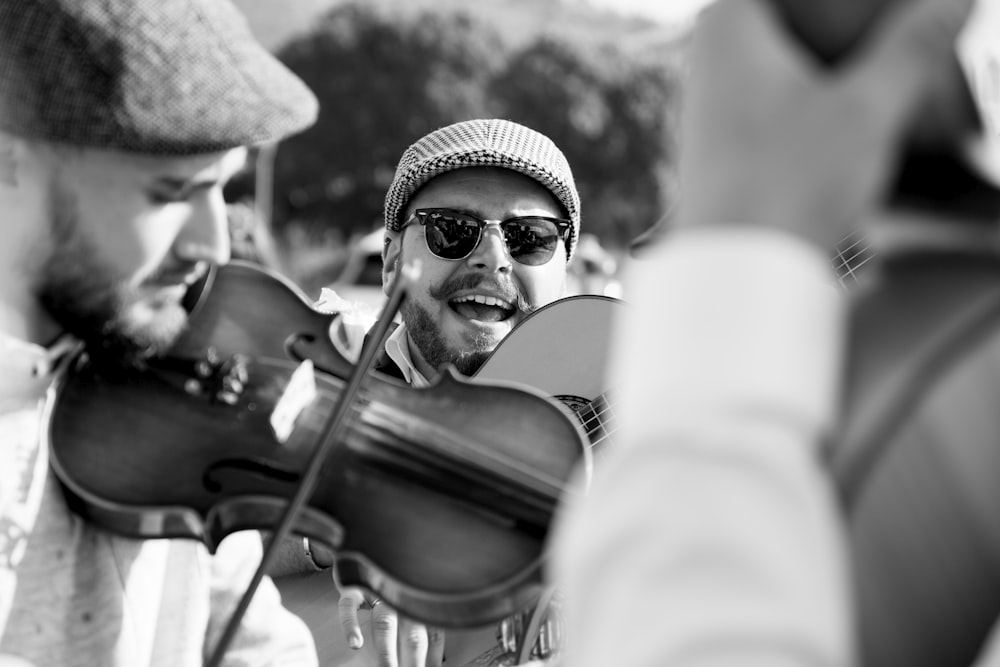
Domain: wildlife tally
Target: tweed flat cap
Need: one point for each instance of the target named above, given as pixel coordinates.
(484, 143)
(176, 77)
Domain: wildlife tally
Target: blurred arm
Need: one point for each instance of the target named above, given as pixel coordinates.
(710, 536)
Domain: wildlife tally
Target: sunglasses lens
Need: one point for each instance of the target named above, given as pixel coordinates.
(531, 241)
(451, 236)
(455, 235)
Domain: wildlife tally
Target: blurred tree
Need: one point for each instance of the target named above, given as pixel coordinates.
(611, 115)
(385, 77)
(383, 80)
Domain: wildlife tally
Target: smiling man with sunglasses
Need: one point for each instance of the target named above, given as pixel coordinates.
(490, 210)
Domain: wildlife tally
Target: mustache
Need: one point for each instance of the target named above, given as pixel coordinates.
(506, 289)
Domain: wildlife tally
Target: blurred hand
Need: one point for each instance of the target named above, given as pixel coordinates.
(399, 642)
(769, 138)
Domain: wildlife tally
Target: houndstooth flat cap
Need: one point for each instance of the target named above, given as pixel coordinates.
(176, 77)
(483, 143)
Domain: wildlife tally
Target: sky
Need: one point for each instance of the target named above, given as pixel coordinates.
(666, 11)
(274, 21)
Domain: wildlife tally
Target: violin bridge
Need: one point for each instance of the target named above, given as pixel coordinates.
(300, 392)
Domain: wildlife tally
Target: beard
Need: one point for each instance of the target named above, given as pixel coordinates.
(425, 331)
(426, 335)
(121, 326)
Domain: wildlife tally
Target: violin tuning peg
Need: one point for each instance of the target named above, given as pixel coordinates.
(232, 385)
(227, 397)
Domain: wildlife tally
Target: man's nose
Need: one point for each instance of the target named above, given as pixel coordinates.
(205, 236)
(491, 253)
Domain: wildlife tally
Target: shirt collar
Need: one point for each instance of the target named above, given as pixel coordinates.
(26, 369)
(398, 348)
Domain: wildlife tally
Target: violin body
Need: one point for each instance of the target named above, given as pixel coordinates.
(436, 499)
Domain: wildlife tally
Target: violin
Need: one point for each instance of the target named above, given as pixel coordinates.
(438, 500)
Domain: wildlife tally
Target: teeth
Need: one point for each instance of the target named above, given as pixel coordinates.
(484, 300)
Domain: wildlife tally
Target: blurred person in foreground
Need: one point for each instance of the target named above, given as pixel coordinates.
(120, 122)
(713, 535)
(490, 210)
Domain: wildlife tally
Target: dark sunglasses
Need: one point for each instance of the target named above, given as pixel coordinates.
(451, 234)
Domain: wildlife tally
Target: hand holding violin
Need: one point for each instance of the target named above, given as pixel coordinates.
(398, 641)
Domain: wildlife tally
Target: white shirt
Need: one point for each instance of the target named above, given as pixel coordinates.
(349, 330)
(72, 594)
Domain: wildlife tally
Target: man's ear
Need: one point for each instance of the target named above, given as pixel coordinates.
(391, 247)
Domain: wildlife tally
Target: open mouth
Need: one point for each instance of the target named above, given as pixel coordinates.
(185, 276)
(482, 308)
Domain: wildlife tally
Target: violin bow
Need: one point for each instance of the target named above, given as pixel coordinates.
(332, 432)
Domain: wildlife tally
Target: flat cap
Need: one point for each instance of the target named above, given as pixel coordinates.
(177, 77)
(484, 142)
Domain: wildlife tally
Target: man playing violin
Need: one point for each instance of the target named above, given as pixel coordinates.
(120, 121)
(490, 211)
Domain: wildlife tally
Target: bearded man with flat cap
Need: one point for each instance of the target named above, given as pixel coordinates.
(490, 211)
(120, 121)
